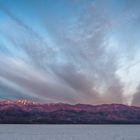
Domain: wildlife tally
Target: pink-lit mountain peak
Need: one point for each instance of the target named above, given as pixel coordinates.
(24, 111)
(63, 106)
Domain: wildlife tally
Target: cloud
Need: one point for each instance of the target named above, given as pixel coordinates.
(25, 39)
(32, 83)
(84, 87)
(85, 46)
(78, 69)
(136, 97)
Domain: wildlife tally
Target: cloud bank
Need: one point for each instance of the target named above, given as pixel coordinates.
(78, 66)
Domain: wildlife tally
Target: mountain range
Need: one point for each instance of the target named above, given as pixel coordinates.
(27, 112)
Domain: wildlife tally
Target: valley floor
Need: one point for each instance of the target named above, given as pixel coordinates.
(69, 132)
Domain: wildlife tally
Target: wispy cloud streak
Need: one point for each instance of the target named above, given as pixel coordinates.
(79, 68)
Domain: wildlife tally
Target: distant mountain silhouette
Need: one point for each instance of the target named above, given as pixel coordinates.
(26, 112)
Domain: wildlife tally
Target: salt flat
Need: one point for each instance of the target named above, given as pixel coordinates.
(69, 132)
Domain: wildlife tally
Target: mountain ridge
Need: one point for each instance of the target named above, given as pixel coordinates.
(28, 112)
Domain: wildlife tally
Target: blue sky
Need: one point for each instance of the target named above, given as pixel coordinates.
(73, 51)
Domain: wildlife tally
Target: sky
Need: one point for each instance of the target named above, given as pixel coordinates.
(71, 51)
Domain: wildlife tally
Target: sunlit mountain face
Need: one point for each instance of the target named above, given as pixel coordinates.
(27, 112)
(70, 51)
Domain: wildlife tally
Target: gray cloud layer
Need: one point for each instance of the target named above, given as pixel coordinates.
(79, 69)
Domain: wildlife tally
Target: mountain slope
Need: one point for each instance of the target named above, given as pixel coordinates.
(59, 113)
